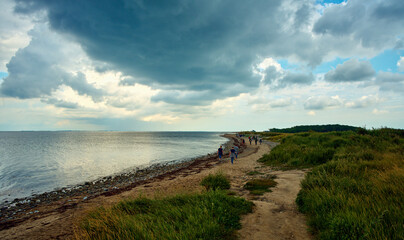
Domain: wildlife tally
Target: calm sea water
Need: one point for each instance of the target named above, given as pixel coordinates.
(35, 162)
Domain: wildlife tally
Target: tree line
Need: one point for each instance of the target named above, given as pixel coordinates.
(315, 128)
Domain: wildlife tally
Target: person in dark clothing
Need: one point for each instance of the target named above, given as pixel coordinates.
(232, 154)
(220, 152)
(236, 148)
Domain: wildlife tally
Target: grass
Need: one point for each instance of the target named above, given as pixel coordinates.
(271, 136)
(210, 215)
(252, 173)
(216, 181)
(356, 187)
(260, 186)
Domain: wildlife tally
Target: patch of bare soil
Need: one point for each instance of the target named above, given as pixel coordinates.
(274, 217)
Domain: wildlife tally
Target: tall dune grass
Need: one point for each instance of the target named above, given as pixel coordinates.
(356, 187)
(210, 215)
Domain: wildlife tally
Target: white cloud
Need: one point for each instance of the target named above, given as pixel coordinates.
(322, 102)
(277, 103)
(379, 112)
(269, 62)
(161, 118)
(400, 64)
(262, 104)
(13, 32)
(363, 102)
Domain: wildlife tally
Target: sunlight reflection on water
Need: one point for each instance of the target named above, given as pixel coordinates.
(34, 162)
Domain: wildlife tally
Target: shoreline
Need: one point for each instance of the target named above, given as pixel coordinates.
(20, 210)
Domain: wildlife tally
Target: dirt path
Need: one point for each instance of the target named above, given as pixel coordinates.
(275, 214)
(274, 217)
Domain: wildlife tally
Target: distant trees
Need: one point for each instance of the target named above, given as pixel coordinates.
(315, 128)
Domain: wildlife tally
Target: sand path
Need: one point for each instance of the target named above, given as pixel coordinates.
(274, 217)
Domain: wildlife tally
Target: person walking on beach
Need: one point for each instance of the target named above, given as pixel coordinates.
(249, 139)
(232, 154)
(256, 140)
(260, 141)
(220, 152)
(236, 148)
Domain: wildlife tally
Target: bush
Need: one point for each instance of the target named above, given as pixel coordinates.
(216, 181)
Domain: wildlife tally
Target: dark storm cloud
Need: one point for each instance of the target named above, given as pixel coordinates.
(169, 42)
(182, 45)
(202, 47)
(372, 23)
(351, 71)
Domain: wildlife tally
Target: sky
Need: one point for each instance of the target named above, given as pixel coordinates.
(218, 65)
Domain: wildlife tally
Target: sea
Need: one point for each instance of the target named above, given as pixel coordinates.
(37, 162)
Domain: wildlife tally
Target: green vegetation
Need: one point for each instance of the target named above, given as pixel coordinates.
(252, 173)
(216, 181)
(356, 187)
(210, 215)
(271, 136)
(260, 186)
(315, 128)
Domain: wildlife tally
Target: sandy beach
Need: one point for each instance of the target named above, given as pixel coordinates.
(274, 217)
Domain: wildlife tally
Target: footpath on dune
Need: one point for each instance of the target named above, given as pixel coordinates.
(275, 214)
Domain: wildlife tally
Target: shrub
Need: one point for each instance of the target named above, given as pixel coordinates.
(216, 181)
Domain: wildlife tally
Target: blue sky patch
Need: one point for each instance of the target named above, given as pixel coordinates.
(329, 1)
(3, 75)
(386, 61)
(327, 66)
(285, 64)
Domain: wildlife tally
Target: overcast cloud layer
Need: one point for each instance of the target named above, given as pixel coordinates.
(182, 64)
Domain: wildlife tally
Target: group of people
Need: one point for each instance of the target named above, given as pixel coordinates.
(255, 138)
(233, 153)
